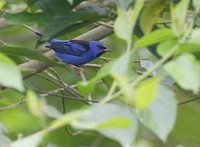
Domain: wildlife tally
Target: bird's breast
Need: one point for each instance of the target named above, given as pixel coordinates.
(76, 60)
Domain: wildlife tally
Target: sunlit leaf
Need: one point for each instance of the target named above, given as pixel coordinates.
(31, 141)
(2, 3)
(126, 20)
(185, 72)
(154, 37)
(160, 116)
(146, 93)
(114, 121)
(150, 14)
(165, 46)
(10, 76)
(122, 72)
(189, 47)
(178, 16)
(35, 105)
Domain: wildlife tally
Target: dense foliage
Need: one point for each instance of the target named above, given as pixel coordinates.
(144, 93)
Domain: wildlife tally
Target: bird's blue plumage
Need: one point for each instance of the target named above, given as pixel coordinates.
(77, 52)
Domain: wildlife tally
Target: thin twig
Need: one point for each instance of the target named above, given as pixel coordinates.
(106, 59)
(13, 105)
(86, 101)
(46, 93)
(33, 30)
(61, 83)
(105, 24)
(189, 100)
(48, 79)
(73, 91)
(3, 42)
(82, 75)
(92, 65)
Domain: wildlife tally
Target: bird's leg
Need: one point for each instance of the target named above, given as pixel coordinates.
(78, 69)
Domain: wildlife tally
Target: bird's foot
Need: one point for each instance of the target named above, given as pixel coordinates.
(78, 69)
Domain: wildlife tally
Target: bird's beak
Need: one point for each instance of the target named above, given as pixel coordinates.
(107, 50)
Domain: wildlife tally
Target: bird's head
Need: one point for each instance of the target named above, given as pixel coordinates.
(98, 48)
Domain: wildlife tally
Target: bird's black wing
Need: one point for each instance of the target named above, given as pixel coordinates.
(71, 47)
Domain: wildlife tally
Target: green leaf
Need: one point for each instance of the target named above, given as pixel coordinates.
(68, 118)
(189, 47)
(55, 7)
(65, 24)
(146, 93)
(150, 14)
(178, 16)
(114, 121)
(35, 105)
(31, 141)
(10, 76)
(24, 52)
(125, 64)
(154, 37)
(27, 18)
(125, 21)
(185, 71)
(160, 116)
(186, 47)
(2, 3)
(165, 46)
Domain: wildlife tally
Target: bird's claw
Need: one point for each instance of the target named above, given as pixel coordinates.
(78, 69)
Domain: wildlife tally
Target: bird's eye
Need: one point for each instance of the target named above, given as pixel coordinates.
(100, 47)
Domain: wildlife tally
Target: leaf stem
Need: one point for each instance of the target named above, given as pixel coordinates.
(109, 96)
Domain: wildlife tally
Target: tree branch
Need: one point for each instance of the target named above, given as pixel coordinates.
(13, 105)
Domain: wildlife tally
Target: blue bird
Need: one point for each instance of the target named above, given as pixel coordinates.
(77, 52)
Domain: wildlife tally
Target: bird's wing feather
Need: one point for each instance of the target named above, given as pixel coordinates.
(71, 47)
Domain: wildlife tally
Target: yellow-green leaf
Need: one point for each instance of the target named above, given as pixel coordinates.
(150, 14)
(146, 93)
